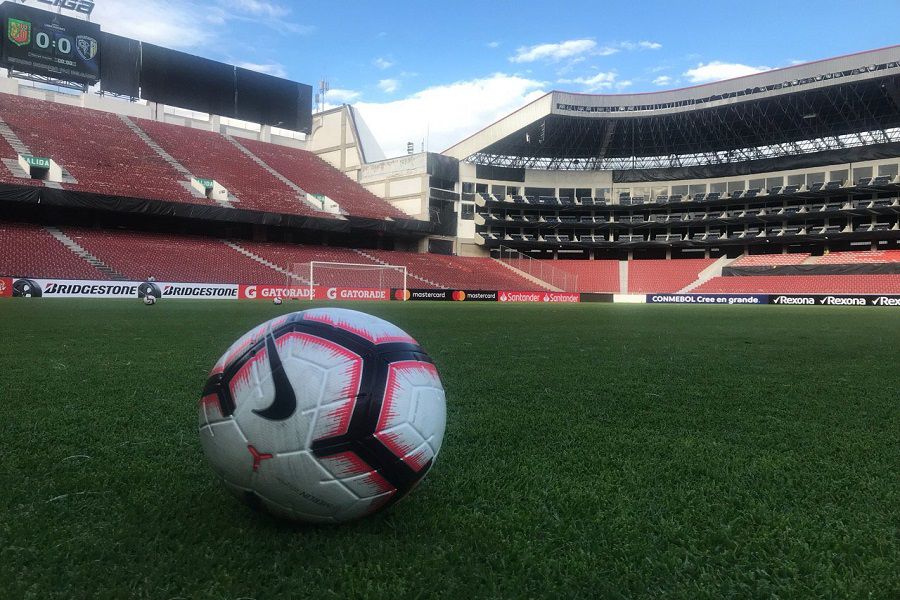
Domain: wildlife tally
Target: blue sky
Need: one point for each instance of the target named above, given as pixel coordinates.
(442, 70)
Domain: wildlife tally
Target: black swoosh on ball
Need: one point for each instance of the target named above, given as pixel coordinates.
(285, 402)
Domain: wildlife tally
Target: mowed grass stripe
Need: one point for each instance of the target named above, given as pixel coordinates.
(591, 451)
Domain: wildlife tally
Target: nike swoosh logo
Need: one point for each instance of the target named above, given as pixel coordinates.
(285, 402)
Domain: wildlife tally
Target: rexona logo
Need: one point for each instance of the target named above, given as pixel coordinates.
(844, 301)
(793, 300)
(886, 301)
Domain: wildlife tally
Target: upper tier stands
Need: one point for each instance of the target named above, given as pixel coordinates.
(96, 148)
(650, 276)
(769, 260)
(593, 275)
(316, 176)
(459, 272)
(209, 155)
(802, 284)
(850, 258)
(105, 156)
(31, 251)
(139, 256)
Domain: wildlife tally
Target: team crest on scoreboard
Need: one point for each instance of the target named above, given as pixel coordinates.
(86, 46)
(19, 32)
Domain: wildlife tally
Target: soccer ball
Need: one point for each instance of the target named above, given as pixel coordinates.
(323, 415)
(149, 300)
(277, 301)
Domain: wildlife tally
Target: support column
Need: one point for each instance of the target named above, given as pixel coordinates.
(668, 253)
(265, 133)
(215, 123)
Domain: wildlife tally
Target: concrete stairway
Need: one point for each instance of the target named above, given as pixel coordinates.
(408, 273)
(186, 181)
(713, 270)
(19, 146)
(623, 276)
(297, 279)
(529, 277)
(301, 193)
(86, 256)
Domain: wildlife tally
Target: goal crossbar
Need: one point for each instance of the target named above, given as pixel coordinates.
(350, 275)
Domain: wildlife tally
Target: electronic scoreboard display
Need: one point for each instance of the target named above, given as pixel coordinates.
(50, 44)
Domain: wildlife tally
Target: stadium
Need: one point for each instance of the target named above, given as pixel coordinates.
(597, 444)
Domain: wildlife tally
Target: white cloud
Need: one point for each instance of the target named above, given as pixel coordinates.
(617, 47)
(662, 80)
(493, 44)
(259, 7)
(717, 71)
(603, 80)
(341, 96)
(172, 24)
(189, 25)
(388, 85)
(621, 85)
(383, 63)
(554, 52)
(270, 69)
(447, 113)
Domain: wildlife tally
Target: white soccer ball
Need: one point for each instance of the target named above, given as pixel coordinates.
(149, 300)
(277, 301)
(323, 415)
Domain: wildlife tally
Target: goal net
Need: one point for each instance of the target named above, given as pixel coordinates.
(346, 275)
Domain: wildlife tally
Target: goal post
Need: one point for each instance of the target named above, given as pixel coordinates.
(346, 275)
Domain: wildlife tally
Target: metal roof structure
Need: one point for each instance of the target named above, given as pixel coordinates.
(846, 102)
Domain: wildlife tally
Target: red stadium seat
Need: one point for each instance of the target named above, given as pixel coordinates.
(31, 251)
(652, 276)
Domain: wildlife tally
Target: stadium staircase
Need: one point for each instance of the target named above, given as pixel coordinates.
(19, 147)
(623, 276)
(186, 183)
(265, 262)
(84, 255)
(371, 258)
(529, 277)
(713, 270)
(301, 193)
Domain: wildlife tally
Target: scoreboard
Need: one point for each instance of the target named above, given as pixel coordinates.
(50, 44)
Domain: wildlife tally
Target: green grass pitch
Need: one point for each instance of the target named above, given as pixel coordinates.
(592, 451)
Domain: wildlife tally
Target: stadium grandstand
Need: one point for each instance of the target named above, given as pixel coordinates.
(786, 181)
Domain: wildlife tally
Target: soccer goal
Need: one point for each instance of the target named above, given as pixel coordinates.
(346, 275)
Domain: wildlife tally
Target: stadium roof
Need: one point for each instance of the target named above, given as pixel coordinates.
(831, 104)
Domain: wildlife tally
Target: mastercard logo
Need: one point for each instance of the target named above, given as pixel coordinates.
(459, 295)
(402, 295)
